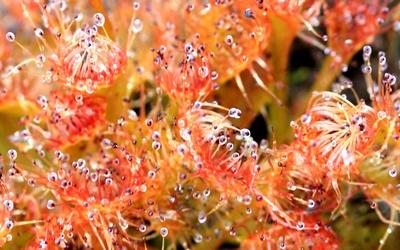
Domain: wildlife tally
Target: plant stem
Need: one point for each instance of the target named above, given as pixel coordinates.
(283, 34)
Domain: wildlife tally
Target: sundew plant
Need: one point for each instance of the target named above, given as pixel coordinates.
(199, 124)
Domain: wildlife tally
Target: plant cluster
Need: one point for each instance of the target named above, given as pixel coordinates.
(127, 124)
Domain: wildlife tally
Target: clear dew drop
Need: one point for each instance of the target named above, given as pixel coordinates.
(300, 225)
(202, 217)
(10, 36)
(9, 205)
(51, 204)
(245, 133)
(306, 119)
(137, 26)
(310, 203)
(99, 19)
(198, 238)
(12, 154)
(203, 72)
(39, 32)
(136, 5)
(392, 172)
(163, 232)
(8, 224)
(142, 228)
